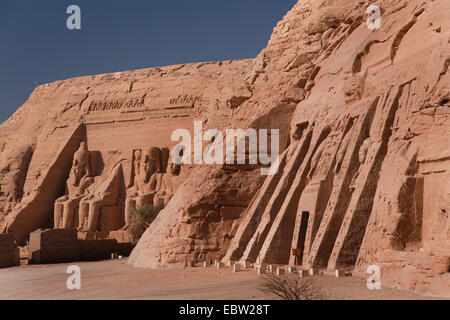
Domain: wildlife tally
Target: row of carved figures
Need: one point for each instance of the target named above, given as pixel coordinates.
(154, 180)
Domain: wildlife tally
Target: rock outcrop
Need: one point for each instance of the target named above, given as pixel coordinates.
(364, 140)
(364, 178)
(68, 154)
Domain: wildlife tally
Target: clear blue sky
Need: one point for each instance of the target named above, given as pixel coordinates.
(37, 48)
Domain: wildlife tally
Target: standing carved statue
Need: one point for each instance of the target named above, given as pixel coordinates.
(315, 159)
(79, 179)
(341, 152)
(147, 181)
(362, 155)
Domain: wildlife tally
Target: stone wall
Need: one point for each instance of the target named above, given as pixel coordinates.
(62, 245)
(53, 246)
(9, 253)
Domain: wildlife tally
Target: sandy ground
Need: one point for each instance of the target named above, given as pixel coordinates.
(116, 280)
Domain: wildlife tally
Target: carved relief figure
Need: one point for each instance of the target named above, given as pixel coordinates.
(341, 152)
(12, 176)
(79, 179)
(315, 160)
(363, 151)
(353, 87)
(362, 155)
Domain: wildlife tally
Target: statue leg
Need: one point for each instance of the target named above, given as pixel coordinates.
(94, 215)
(145, 199)
(57, 214)
(83, 214)
(130, 203)
(67, 215)
(139, 201)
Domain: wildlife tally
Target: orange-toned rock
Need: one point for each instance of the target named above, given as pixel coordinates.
(364, 178)
(113, 117)
(9, 253)
(364, 140)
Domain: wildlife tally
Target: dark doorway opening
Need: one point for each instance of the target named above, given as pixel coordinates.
(302, 235)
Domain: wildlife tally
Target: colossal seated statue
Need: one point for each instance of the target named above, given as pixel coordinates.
(93, 205)
(102, 196)
(79, 179)
(147, 180)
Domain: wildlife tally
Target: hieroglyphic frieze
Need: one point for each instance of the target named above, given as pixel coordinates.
(185, 99)
(116, 105)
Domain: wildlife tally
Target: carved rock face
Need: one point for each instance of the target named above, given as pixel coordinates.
(335, 193)
(353, 88)
(328, 13)
(363, 151)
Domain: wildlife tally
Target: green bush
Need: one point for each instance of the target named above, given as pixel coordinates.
(142, 218)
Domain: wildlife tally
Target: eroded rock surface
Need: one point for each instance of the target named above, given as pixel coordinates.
(364, 139)
(69, 153)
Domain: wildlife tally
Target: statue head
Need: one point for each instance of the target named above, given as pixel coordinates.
(83, 146)
(79, 165)
(173, 168)
(137, 159)
(78, 169)
(151, 162)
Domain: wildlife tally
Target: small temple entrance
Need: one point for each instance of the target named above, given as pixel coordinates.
(302, 237)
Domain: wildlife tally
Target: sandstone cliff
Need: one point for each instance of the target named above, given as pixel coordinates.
(364, 169)
(115, 114)
(364, 179)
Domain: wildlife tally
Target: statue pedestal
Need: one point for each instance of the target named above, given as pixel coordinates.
(89, 235)
(122, 236)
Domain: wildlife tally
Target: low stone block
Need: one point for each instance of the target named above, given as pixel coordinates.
(313, 272)
(281, 272)
(303, 273)
(53, 246)
(261, 270)
(292, 270)
(230, 263)
(236, 267)
(340, 273)
(114, 256)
